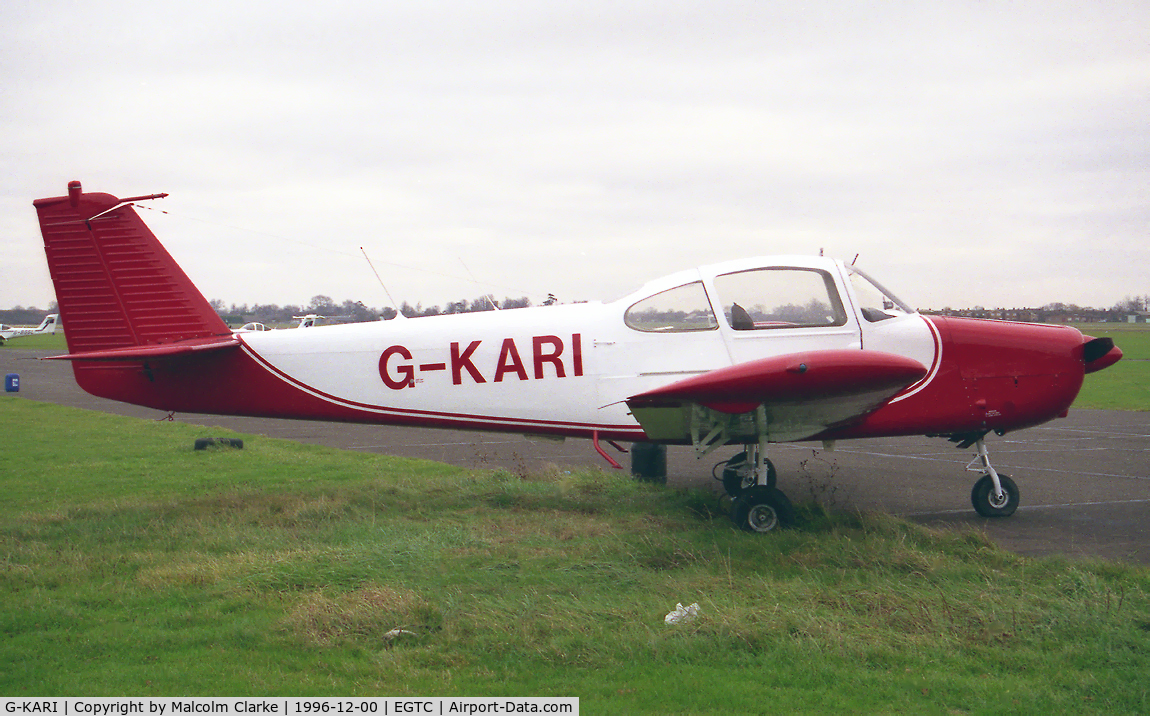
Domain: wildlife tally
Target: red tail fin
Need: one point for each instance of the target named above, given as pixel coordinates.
(116, 284)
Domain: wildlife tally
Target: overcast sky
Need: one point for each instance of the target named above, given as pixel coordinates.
(972, 153)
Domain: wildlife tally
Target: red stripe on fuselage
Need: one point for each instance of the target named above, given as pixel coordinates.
(245, 383)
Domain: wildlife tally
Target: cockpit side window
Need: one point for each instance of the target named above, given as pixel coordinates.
(875, 302)
(770, 298)
(677, 310)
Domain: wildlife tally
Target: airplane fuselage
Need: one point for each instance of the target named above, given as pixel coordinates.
(567, 370)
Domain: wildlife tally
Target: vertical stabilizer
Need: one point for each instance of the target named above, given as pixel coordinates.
(115, 283)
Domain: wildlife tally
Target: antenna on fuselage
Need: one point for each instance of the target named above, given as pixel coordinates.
(856, 258)
(398, 313)
(488, 296)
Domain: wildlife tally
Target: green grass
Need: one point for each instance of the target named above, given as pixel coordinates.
(1126, 384)
(132, 565)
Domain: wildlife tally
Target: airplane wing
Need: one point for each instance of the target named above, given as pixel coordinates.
(155, 351)
(803, 394)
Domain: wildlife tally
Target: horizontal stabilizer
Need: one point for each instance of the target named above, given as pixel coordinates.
(154, 352)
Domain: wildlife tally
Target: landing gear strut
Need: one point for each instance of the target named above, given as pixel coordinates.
(739, 474)
(749, 478)
(995, 494)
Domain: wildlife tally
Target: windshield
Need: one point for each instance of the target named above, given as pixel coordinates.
(876, 303)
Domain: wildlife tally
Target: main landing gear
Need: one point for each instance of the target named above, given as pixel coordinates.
(749, 477)
(756, 504)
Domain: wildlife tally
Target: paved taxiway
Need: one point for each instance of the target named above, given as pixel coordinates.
(1085, 479)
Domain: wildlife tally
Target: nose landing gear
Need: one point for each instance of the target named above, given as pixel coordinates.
(990, 503)
(994, 494)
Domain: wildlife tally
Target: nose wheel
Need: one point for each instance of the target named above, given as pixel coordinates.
(988, 503)
(994, 494)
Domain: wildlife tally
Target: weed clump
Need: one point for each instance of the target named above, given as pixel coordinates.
(364, 616)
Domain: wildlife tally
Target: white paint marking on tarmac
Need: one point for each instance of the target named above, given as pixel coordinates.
(1031, 508)
(1002, 467)
(1094, 431)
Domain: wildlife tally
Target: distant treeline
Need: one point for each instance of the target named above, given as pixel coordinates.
(352, 311)
(30, 316)
(236, 315)
(355, 311)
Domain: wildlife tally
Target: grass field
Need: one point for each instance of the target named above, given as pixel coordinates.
(1126, 384)
(132, 565)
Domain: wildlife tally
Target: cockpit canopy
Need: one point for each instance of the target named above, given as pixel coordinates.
(757, 297)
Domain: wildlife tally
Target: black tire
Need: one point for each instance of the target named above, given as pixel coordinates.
(738, 475)
(762, 509)
(982, 497)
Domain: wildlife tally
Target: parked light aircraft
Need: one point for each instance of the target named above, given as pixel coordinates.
(744, 353)
(308, 321)
(48, 325)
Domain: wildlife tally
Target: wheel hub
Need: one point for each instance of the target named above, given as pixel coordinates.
(762, 518)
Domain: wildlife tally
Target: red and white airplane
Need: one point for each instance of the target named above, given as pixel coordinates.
(748, 352)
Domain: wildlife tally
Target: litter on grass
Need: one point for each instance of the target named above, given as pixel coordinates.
(397, 633)
(682, 615)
